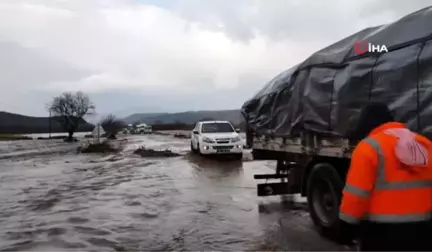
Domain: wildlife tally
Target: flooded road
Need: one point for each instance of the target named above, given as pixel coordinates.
(53, 199)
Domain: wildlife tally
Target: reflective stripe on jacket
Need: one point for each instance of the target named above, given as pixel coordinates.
(381, 188)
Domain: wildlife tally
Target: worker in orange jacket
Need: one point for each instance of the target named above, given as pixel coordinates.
(387, 199)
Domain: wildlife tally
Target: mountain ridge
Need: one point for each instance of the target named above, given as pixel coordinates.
(13, 123)
(187, 117)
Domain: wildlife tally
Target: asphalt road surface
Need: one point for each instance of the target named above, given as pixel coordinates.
(53, 199)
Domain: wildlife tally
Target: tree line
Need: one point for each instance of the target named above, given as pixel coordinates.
(69, 109)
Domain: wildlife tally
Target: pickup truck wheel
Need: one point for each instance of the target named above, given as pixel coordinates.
(198, 150)
(192, 148)
(324, 193)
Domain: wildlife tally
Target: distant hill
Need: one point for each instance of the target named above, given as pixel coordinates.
(20, 124)
(139, 117)
(189, 117)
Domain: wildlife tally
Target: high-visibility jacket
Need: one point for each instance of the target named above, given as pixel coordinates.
(380, 186)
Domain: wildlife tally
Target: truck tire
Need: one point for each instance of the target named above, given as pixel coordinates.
(192, 148)
(198, 150)
(324, 193)
(249, 137)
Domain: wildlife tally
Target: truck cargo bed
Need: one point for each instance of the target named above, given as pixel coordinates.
(324, 93)
(307, 144)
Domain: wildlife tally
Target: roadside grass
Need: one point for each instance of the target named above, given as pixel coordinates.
(12, 137)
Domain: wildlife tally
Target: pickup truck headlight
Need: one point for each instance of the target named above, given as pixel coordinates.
(207, 140)
(236, 139)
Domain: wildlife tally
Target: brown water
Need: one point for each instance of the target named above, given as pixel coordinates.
(53, 199)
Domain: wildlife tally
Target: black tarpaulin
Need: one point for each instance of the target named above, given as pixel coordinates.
(324, 93)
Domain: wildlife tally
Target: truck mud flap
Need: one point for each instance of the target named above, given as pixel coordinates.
(271, 189)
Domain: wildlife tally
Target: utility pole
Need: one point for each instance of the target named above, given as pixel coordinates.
(49, 123)
(98, 133)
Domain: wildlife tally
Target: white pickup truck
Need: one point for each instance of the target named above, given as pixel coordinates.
(216, 137)
(143, 129)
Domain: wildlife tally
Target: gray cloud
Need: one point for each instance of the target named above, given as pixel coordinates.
(179, 55)
(397, 8)
(24, 71)
(296, 20)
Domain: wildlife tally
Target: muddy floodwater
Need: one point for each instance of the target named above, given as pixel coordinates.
(53, 199)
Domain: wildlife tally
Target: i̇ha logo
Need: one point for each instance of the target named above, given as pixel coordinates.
(361, 47)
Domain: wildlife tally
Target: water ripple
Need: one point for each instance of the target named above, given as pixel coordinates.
(69, 202)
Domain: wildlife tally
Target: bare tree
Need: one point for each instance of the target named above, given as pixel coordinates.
(112, 126)
(135, 124)
(69, 109)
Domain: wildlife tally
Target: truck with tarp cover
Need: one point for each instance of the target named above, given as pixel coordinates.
(305, 117)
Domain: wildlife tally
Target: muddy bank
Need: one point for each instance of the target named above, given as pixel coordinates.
(145, 152)
(104, 147)
(161, 133)
(51, 138)
(182, 136)
(11, 137)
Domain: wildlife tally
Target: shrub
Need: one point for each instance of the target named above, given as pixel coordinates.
(103, 147)
(144, 152)
(112, 126)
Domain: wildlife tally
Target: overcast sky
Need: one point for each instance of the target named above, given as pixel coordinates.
(166, 55)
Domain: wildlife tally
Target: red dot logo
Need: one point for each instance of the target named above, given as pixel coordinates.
(360, 47)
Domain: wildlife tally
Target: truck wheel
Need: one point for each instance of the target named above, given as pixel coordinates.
(324, 192)
(198, 150)
(192, 148)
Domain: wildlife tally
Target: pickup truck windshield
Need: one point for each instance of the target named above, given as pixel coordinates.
(216, 128)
